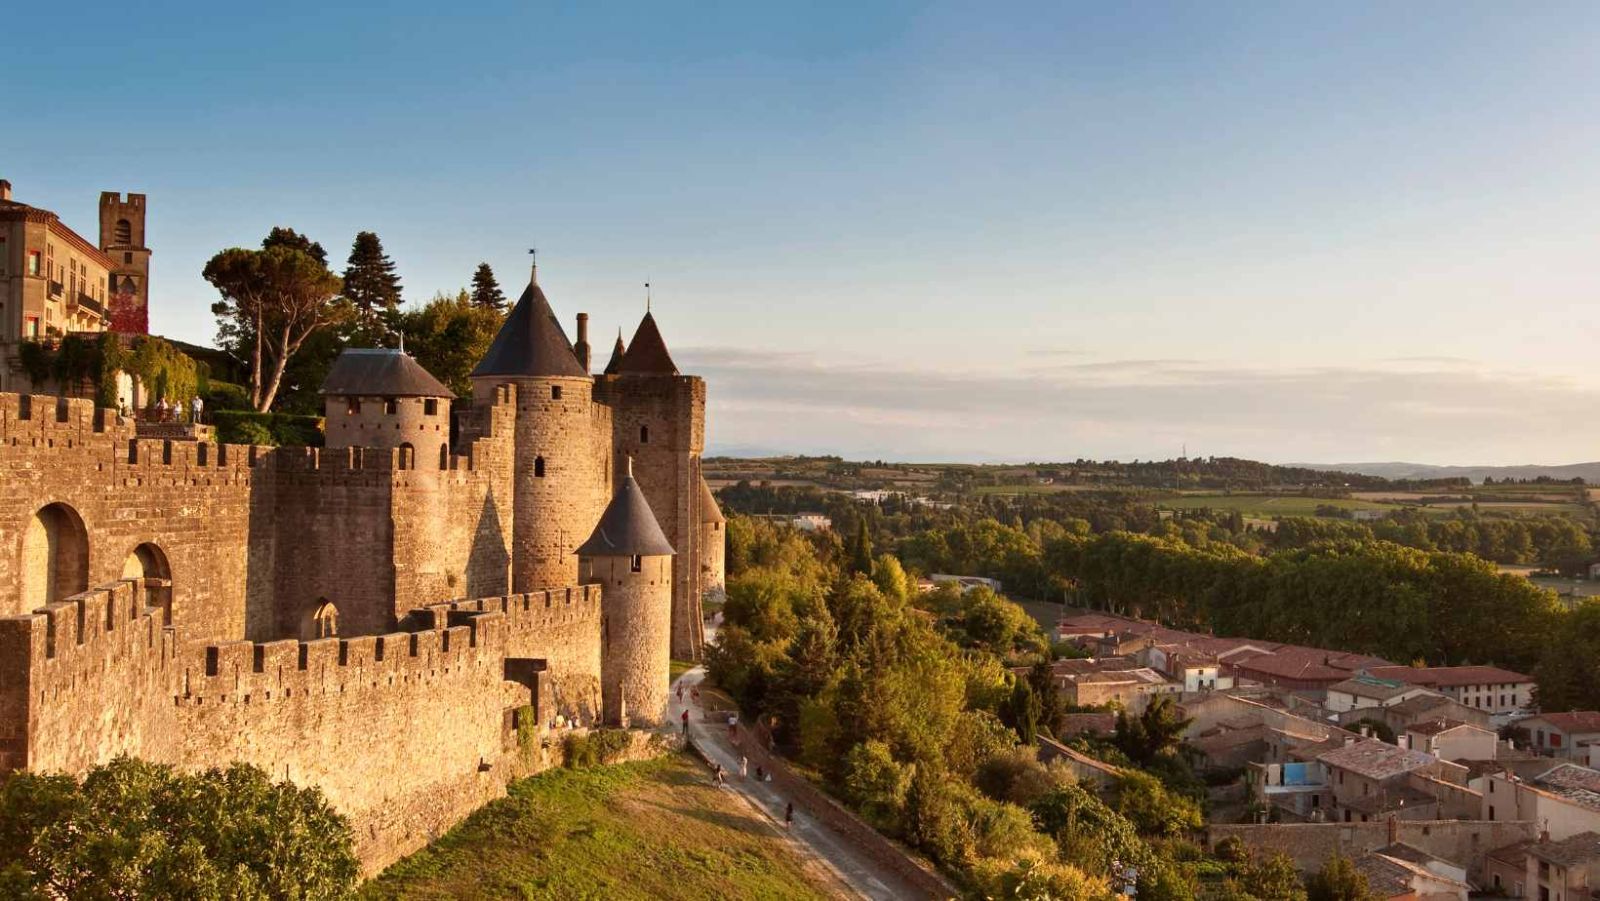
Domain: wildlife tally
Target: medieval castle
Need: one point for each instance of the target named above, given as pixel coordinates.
(398, 617)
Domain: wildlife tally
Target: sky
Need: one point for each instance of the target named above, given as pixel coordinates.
(1290, 232)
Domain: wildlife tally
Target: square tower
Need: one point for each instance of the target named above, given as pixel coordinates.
(122, 239)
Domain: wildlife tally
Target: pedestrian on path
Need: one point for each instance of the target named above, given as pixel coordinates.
(719, 775)
(761, 775)
(686, 722)
(788, 815)
(744, 767)
(680, 692)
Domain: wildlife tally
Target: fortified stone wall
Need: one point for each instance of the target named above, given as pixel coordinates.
(1310, 844)
(561, 481)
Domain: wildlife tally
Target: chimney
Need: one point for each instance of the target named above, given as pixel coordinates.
(583, 342)
(1394, 830)
(5, 189)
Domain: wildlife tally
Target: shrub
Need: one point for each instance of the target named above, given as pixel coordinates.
(270, 429)
(597, 748)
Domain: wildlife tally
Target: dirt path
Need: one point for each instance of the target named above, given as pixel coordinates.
(814, 840)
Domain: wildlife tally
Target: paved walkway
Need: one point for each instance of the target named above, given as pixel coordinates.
(813, 839)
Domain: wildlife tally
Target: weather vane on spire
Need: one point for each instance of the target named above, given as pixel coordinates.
(647, 297)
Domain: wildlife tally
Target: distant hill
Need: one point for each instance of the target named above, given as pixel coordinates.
(1589, 472)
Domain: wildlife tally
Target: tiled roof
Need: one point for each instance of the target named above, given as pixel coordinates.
(627, 528)
(617, 350)
(1573, 721)
(381, 372)
(1371, 687)
(1397, 798)
(1375, 759)
(1420, 704)
(531, 342)
(1577, 784)
(647, 352)
(1434, 727)
(1568, 852)
(1449, 675)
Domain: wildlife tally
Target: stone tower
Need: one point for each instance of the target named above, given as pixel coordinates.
(377, 397)
(712, 545)
(561, 470)
(122, 239)
(630, 556)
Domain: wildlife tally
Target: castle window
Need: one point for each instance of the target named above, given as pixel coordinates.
(430, 406)
(391, 406)
(33, 262)
(325, 620)
(644, 434)
(538, 467)
(555, 392)
(124, 232)
(352, 406)
(636, 563)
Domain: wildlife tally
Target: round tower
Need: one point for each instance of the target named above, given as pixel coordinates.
(629, 556)
(378, 397)
(712, 547)
(559, 476)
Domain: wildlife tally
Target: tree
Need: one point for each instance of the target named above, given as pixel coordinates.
(272, 299)
(371, 284)
(1338, 880)
(1150, 734)
(1272, 879)
(1152, 809)
(1022, 711)
(133, 829)
(861, 550)
(449, 336)
(486, 291)
(293, 240)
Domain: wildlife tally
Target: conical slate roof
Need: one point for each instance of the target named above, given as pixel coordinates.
(616, 355)
(709, 511)
(381, 372)
(531, 343)
(647, 353)
(628, 528)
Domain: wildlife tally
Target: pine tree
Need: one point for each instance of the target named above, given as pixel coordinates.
(288, 237)
(370, 281)
(485, 290)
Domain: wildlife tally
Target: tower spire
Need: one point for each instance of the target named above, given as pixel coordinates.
(646, 299)
(533, 275)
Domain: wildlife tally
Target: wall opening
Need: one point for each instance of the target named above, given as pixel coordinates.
(430, 407)
(324, 620)
(555, 392)
(408, 456)
(444, 456)
(644, 434)
(149, 562)
(538, 467)
(391, 406)
(123, 233)
(55, 557)
(636, 563)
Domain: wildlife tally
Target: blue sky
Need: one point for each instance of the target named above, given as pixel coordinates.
(1285, 231)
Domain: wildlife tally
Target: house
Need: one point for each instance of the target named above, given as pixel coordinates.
(1308, 670)
(1564, 798)
(1505, 869)
(1196, 670)
(1501, 692)
(1419, 709)
(1369, 691)
(965, 583)
(812, 522)
(1402, 872)
(1367, 781)
(1564, 870)
(1572, 734)
(1450, 740)
(1130, 689)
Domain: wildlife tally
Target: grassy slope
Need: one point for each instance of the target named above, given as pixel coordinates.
(654, 829)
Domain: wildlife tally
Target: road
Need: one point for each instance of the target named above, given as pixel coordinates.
(813, 839)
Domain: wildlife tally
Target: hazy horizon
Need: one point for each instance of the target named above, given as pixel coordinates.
(908, 231)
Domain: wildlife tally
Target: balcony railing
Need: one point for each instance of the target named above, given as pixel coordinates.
(55, 288)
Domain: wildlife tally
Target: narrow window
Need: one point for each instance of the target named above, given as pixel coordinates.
(636, 564)
(127, 258)
(33, 262)
(352, 406)
(538, 467)
(644, 434)
(555, 392)
(430, 406)
(391, 406)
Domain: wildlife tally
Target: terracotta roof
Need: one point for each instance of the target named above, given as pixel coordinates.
(1375, 759)
(1577, 784)
(617, 351)
(1571, 851)
(709, 511)
(1434, 727)
(628, 527)
(15, 210)
(1449, 675)
(1572, 721)
(647, 352)
(381, 372)
(531, 342)
(1372, 687)
(1421, 704)
(1398, 797)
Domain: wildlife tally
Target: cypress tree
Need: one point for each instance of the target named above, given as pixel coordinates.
(861, 560)
(485, 290)
(370, 281)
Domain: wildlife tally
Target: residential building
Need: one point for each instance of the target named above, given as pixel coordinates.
(1564, 870)
(1450, 740)
(1421, 708)
(1502, 692)
(53, 282)
(1130, 689)
(1367, 781)
(1572, 734)
(1563, 799)
(966, 583)
(1369, 691)
(1403, 873)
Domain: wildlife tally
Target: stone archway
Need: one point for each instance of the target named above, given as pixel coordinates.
(324, 620)
(55, 557)
(149, 562)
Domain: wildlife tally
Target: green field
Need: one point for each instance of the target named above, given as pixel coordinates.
(1265, 505)
(655, 829)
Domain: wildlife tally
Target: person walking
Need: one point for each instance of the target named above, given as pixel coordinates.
(196, 406)
(719, 775)
(744, 767)
(788, 815)
(686, 722)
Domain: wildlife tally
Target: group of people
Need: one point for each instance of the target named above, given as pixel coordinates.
(744, 762)
(164, 410)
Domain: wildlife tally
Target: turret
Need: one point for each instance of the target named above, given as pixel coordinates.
(561, 469)
(582, 347)
(378, 397)
(712, 546)
(630, 557)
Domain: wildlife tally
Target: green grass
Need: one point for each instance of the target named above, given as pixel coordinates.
(653, 829)
(678, 667)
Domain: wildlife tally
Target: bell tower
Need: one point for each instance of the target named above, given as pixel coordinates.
(122, 239)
